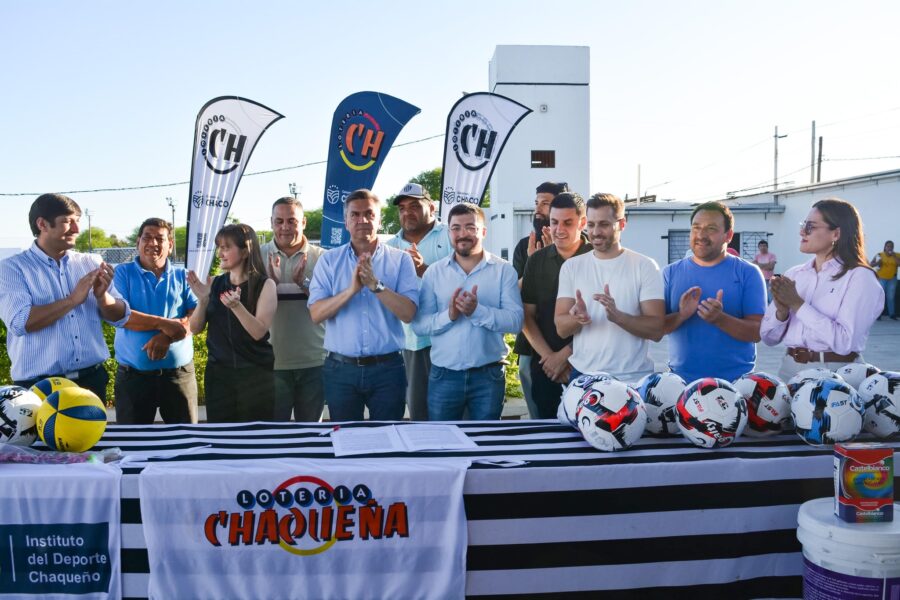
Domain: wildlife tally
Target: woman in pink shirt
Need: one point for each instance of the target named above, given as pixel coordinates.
(823, 309)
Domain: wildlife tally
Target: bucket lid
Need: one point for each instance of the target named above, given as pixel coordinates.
(817, 517)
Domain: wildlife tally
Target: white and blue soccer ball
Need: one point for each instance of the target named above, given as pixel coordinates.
(880, 396)
(611, 415)
(826, 411)
(812, 374)
(660, 392)
(18, 409)
(573, 393)
(711, 413)
(856, 373)
(768, 404)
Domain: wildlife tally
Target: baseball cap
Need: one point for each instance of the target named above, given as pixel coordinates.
(412, 190)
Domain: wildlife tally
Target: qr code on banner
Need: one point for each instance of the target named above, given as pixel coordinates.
(335, 235)
(201, 240)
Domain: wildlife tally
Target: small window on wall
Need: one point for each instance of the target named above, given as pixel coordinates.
(543, 159)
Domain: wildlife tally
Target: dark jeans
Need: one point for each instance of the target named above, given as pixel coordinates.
(480, 390)
(349, 389)
(418, 367)
(545, 392)
(239, 395)
(300, 391)
(94, 380)
(140, 393)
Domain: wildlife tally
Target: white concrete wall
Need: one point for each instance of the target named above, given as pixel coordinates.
(557, 77)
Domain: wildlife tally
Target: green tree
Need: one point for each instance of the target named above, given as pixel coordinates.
(93, 238)
(313, 229)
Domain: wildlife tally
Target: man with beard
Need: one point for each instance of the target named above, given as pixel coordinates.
(550, 364)
(52, 300)
(715, 336)
(538, 238)
(154, 349)
(364, 289)
(426, 241)
(467, 302)
(610, 300)
(296, 341)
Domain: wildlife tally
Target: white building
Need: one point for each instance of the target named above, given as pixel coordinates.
(550, 144)
(661, 229)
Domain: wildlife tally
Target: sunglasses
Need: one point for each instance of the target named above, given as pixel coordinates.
(807, 227)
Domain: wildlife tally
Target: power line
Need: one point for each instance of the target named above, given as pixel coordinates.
(165, 185)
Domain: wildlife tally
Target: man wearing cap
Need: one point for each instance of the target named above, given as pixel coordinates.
(363, 290)
(538, 238)
(425, 240)
(297, 342)
(52, 300)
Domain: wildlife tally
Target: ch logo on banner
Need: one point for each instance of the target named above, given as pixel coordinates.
(359, 139)
(220, 142)
(305, 515)
(473, 140)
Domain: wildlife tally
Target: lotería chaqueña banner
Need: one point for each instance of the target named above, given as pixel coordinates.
(292, 528)
(364, 127)
(477, 129)
(226, 133)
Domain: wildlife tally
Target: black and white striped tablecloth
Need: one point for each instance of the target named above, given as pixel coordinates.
(550, 517)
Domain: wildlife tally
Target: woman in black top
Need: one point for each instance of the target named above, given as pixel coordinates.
(238, 306)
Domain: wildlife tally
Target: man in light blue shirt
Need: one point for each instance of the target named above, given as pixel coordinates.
(426, 241)
(467, 302)
(154, 349)
(362, 291)
(52, 300)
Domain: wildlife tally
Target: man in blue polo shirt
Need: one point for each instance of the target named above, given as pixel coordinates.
(426, 241)
(154, 348)
(714, 302)
(362, 291)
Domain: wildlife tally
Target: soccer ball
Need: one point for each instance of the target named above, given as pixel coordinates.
(711, 413)
(660, 392)
(573, 393)
(855, 373)
(45, 387)
(71, 419)
(880, 396)
(768, 404)
(611, 415)
(813, 374)
(827, 411)
(18, 408)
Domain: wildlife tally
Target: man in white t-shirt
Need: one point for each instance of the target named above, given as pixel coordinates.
(611, 300)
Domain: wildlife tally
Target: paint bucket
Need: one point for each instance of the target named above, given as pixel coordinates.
(847, 560)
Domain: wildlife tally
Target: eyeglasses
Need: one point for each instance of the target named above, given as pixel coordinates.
(807, 227)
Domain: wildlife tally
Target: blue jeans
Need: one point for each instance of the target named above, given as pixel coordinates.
(349, 389)
(890, 293)
(526, 381)
(481, 390)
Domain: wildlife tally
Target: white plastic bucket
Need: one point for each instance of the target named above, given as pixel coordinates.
(843, 561)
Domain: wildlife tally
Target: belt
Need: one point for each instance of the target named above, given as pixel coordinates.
(156, 372)
(74, 375)
(363, 361)
(805, 355)
(499, 363)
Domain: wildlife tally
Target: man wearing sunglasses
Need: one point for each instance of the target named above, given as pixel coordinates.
(714, 302)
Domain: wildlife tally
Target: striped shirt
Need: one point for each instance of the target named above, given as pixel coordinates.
(75, 341)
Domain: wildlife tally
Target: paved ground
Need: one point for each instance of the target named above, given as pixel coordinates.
(883, 351)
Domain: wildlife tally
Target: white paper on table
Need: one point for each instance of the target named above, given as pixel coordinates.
(366, 440)
(434, 437)
(403, 438)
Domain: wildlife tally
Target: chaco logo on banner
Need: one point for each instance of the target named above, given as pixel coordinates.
(363, 129)
(225, 136)
(477, 129)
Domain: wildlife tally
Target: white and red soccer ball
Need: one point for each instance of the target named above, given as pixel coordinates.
(711, 413)
(610, 415)
(768, 404)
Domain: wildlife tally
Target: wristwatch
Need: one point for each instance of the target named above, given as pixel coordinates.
(379, 287)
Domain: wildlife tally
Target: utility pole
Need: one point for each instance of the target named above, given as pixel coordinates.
(776, 155)
(819, 174)
(171, 204)
(639, 186)
(292, 187)
(87, 213)
(812, 154)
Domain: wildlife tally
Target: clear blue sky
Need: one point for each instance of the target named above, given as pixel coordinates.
(105, 94)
